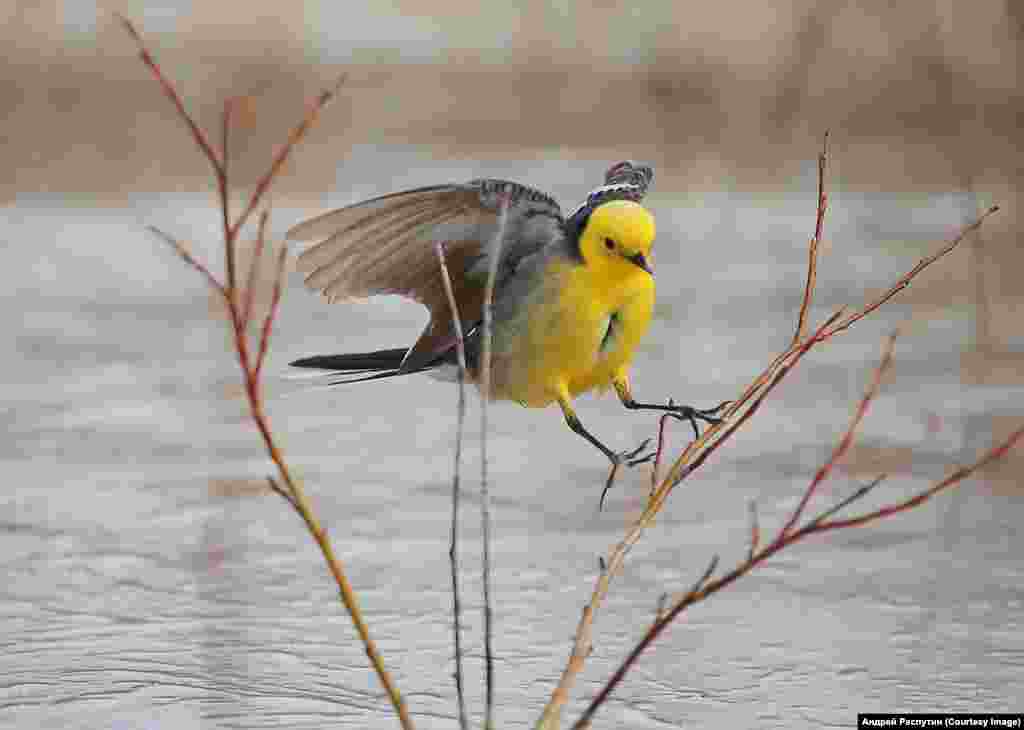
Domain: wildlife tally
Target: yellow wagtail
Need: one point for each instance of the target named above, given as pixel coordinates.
(572, 299)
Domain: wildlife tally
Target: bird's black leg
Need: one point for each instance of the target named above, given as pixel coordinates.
(683, 413)
(629, 458)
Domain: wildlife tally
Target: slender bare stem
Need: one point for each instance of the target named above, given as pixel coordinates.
(812, 249)
(847, 440)
(710, 440)
(268, 321)
(296, 135)
(453, 549)
(992, 455)
(282, 492)
(755, 530)
(485, 495)
(842, 504)
(225, 157)
(660, 450)
(254, 270)
(224, 195)
(172, 93)
(904, 281)
(661, 607)
(183, 252)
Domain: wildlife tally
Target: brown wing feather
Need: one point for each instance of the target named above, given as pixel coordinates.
(342, 259)
(333, 221)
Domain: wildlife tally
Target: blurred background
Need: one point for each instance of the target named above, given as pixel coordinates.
(733, 96)
(922, 95)
(152, 582)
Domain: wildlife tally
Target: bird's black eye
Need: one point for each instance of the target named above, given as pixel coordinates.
(609, 244)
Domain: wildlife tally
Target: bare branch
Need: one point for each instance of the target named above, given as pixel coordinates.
(661, 607)
(660, 450)
(993, 454)
(485, 495)
(275, 302)
(300, 130)
(656, 628)
(904, 281)
(284, 494)
(755, 530)
(225, 154)
(705, 577)
(812, 250)
(550, 718)
(858, 494)
(783, 541)
(453, 551)
(179, 248)
(224, 193)
(681, 469)
(696, 453)
(847, 439)
(172, 94)
(291, 490)
(252, 281)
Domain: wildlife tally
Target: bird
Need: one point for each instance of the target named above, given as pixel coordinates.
(573, 293)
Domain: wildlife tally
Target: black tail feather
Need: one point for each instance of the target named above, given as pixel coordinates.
(362, 361)
(377, 375)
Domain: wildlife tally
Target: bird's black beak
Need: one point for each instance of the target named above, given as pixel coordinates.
(640, 261)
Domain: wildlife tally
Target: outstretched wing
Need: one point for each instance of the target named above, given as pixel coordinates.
(387, 246)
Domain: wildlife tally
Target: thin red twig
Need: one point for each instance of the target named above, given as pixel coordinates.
(179, 248)
(172, 93)
(812, 250)
(957, 476)
(656, 466)
(292, 491)
(755, 530)
(777, 377)
(847, 440)
(224, 194)
(296, 135)
(248, 303)
(904, 281)
(268, 322)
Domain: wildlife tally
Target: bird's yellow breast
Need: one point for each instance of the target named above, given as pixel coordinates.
(578, 330)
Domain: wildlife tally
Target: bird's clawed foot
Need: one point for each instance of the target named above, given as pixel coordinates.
(693, 415)
(627, 458)
(634, 458)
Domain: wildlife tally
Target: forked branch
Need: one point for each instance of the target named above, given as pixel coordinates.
(697, 452)
(789, 536)
(241, 315)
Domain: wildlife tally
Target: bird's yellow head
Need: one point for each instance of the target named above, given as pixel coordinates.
(617, 239)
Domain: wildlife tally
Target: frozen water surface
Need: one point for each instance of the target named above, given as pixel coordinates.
(149, 583)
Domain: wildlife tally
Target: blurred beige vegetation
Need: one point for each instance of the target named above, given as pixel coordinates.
(731, 95)
(919, 95)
